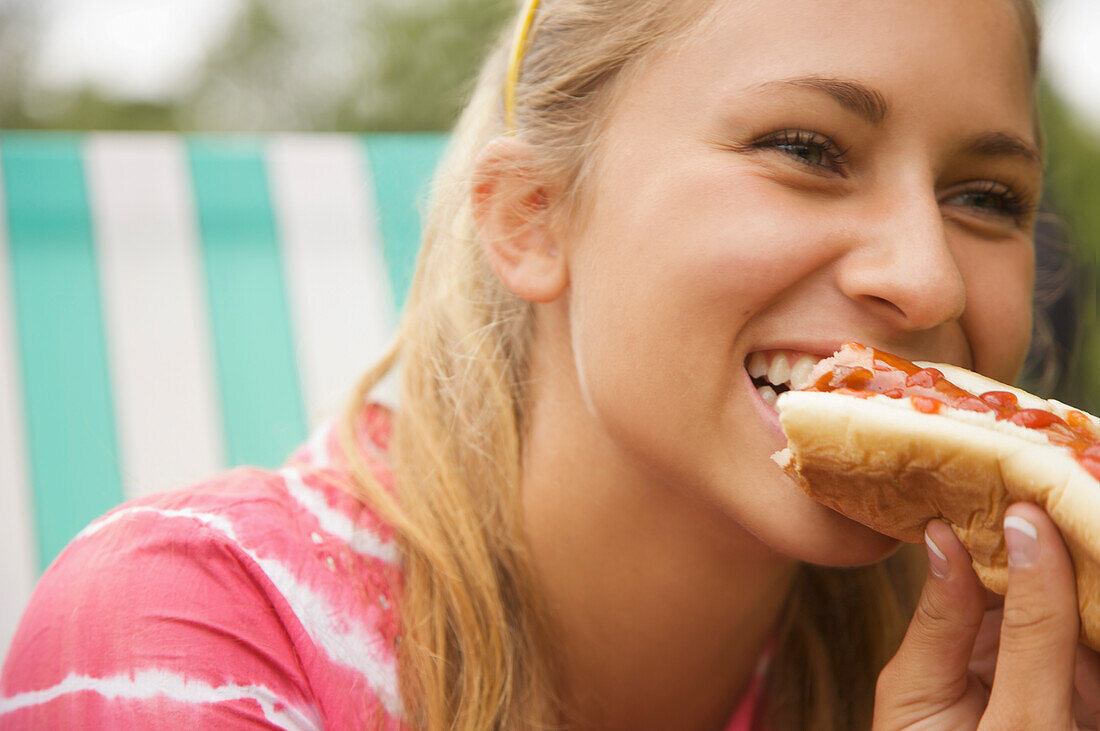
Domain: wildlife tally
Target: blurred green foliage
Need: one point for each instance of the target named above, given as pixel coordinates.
(429, 54)
(396, 65)
(1073, 189)
(371, 65)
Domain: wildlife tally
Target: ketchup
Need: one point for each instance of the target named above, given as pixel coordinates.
(926, 405)
(924, 378)
(1034, 418)
(929, 391)
(1000, 400)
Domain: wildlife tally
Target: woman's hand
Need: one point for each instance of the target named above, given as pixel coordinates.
(961, 666)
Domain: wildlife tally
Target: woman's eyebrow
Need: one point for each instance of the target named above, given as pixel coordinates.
(852, 95)
(1002, 144)
(872, 106)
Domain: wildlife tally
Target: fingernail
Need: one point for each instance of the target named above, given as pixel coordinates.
(937, 560)
(1022, 540)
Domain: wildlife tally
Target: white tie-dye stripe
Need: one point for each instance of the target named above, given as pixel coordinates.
(148, 684)
(350, 647)
(97, 525)
(332, 521)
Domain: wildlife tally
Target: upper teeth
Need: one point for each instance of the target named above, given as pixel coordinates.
(758, 364)
(780, 370)
(800, 371)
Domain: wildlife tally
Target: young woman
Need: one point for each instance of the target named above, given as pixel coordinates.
(571, 520)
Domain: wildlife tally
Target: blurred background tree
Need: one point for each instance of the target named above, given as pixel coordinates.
(371, 65)
(1073, 190)
(397, 65)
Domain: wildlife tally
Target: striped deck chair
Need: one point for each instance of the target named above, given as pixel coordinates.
(171, 306)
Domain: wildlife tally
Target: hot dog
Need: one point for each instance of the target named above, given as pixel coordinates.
(893, 444)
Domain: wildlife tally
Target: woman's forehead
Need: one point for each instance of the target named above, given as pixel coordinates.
(971, 52)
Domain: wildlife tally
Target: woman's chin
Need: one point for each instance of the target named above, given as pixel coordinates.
(827, 538)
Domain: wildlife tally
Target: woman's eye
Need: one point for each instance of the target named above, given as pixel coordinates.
(985, 201)
(809, 148)
(811, 155)
(996, 199)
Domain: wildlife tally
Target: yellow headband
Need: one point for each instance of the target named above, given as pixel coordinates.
(519, 48)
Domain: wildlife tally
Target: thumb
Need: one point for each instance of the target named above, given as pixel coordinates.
(1033, 684)
(929, 672)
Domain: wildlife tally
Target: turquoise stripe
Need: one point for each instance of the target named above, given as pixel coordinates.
(401, 167)
(258, 376)
(70, 419)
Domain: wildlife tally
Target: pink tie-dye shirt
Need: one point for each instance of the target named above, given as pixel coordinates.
(257, 599)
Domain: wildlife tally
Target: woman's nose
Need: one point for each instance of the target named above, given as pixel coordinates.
(901, 266)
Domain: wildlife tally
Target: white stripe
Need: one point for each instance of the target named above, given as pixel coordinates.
(345, 644)
(155, 311)
(149, 684)
(336, 523)
(17, 547)
(318, 446)
(332, 253)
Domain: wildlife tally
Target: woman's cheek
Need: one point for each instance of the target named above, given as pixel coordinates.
(998, 317)
(1001, 345)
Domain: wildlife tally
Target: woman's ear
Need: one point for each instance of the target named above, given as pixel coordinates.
(511, 202)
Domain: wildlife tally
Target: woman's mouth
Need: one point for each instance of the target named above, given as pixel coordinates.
(775, 371)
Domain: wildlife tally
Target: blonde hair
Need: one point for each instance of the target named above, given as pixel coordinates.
(476, 651)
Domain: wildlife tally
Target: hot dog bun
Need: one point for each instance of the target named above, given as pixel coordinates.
(888, 465)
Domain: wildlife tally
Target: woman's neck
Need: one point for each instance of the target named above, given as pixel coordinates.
(663, 604)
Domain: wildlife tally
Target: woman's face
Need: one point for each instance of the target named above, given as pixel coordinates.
(794, 176)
